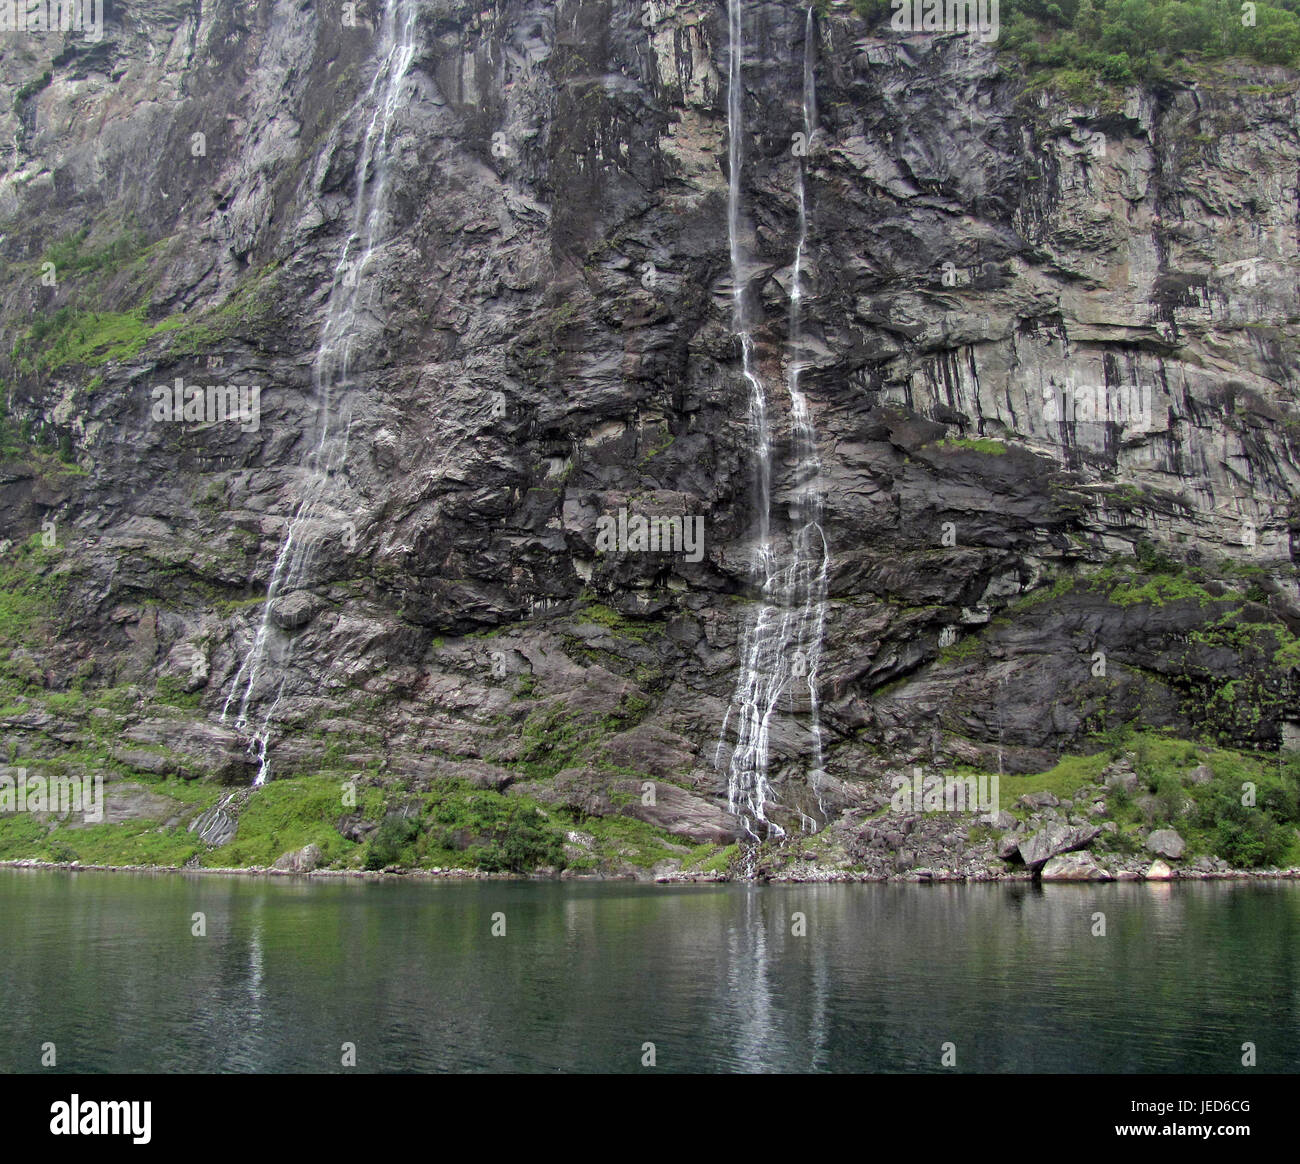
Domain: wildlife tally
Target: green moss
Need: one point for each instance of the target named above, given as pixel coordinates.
(252, 306)
(31, 589)
(993, 448)
(1124, 497)
(963, 649)
(171, 692)
(71, 338)
(32, 87)
(70, 257)
(1156, 592)
(664, 444)
(641, 630)
(551, 739)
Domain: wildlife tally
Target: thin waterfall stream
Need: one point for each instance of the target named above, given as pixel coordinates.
(332, 371)
(780, 651)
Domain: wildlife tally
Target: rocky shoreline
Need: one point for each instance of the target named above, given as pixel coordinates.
(788, 877)
(1054, 408)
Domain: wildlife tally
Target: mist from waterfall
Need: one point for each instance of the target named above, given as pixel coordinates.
(331, 373)
(780, 650)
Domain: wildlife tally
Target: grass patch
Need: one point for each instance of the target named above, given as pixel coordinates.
(133, 842)
(246, 311)
(70, 257)
(1157, 591)
(72, 338)
(30, 591)
(626, 839)
(973, 444)
(1063, 781)
(285, 815)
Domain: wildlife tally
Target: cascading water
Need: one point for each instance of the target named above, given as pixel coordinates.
(811, 552)
(781, 643)
(331, 371)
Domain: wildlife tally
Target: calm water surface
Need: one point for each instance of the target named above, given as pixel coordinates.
(105, 967)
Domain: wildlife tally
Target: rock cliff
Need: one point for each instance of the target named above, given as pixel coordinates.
(1053, 379)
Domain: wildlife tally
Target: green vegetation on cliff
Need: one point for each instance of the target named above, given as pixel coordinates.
(451, 825)
(71, 338)
(1122, 41)
(1241, 807)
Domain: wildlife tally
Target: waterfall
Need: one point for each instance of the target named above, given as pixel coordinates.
(781, 643)
(811, 552)
(332, 369)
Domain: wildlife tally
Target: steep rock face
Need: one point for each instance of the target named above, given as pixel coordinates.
(1055, 353)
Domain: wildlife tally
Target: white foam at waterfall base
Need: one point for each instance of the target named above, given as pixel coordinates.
(349, 301)
(781, 643)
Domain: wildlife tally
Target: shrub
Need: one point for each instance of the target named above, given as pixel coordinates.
(390, 839)
(1249, 840)
(519, 842)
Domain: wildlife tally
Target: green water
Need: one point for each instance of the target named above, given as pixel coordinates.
(106, 967)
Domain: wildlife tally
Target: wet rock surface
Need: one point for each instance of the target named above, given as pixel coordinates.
(1041, 378)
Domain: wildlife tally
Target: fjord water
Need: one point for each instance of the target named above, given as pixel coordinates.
(105, 966)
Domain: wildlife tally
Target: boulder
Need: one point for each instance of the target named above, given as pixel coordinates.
(1159, 871)
(1054, 840)
(304, 860)
(1122, 778)
(1078, 866)
(1166, 843)
(1201, 774)
(1039, 800)
(291, 611)
(1009, 846)
(353, 828)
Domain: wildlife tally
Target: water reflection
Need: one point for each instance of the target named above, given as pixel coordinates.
(716, 977)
